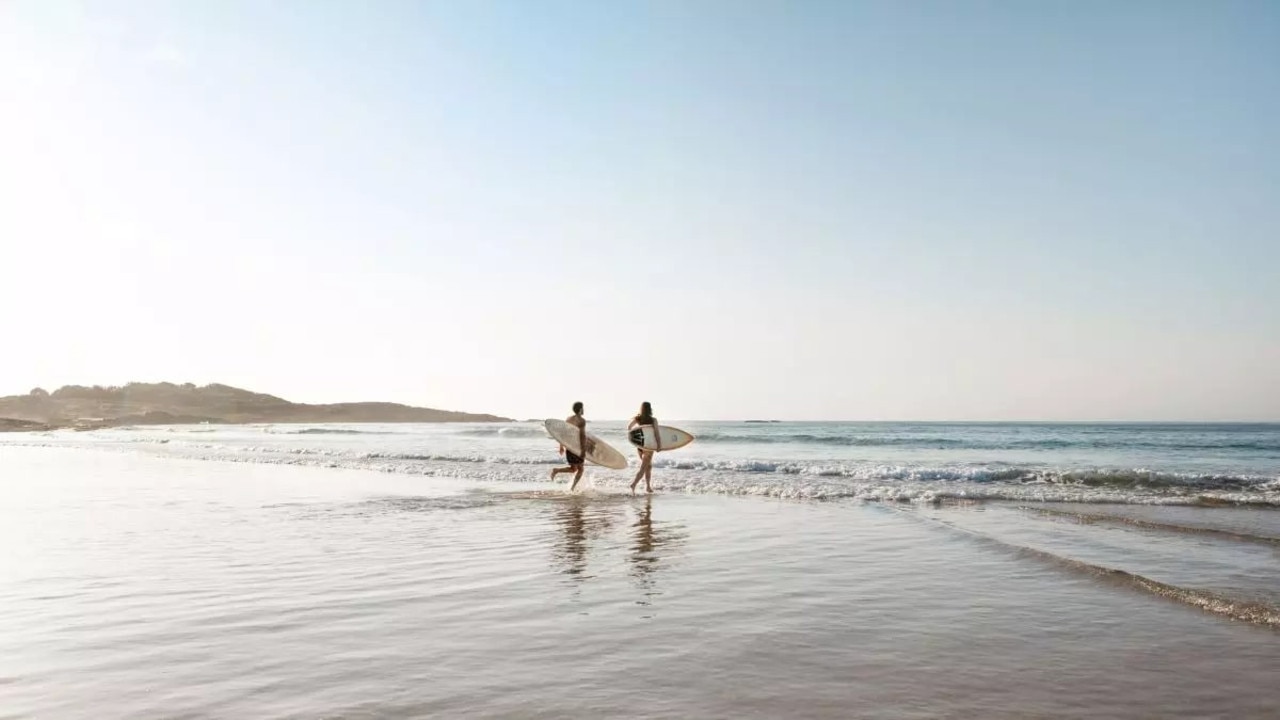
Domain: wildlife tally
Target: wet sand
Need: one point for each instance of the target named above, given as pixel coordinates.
(147, 588)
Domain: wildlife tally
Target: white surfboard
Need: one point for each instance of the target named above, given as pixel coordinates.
(672, 438)
(598, 451)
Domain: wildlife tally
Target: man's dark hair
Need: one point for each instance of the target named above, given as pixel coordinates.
(577, 408)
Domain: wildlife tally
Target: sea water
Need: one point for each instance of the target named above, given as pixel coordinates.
(780, 570)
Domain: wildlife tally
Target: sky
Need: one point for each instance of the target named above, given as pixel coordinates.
(793, 210)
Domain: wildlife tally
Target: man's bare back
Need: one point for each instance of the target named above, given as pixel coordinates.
(576, 463)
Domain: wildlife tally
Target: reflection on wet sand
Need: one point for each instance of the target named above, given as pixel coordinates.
(647, 539)
(652, 547)
(579, 520)
(586, 524)
(644, 563)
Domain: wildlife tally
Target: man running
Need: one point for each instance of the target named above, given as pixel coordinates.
(576, 463)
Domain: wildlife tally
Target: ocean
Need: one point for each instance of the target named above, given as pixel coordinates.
(898, 570)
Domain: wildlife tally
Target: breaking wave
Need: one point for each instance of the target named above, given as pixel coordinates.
(505, 431)
(925, 442)
(327, 431)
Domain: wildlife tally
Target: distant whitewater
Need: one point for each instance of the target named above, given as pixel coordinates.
(1171, 464)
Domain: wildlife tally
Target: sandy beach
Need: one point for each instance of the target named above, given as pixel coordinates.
(147, 587)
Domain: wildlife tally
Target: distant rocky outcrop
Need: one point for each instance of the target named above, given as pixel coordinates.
(170, 404)
(15, 425)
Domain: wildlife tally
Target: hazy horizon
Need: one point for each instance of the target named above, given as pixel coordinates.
(823, 211)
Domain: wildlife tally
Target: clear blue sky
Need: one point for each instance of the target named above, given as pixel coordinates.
(826, 210)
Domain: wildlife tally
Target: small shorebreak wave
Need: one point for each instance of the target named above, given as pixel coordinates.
(1090, 518)
(1255, 612)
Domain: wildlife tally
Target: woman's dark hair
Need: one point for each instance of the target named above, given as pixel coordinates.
(577, 408)
(646, 413)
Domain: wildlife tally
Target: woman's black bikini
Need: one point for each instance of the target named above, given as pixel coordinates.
(636, 436)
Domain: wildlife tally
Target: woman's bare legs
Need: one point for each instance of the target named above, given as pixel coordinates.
(645, 471)
(646, 467)
(639, 473)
